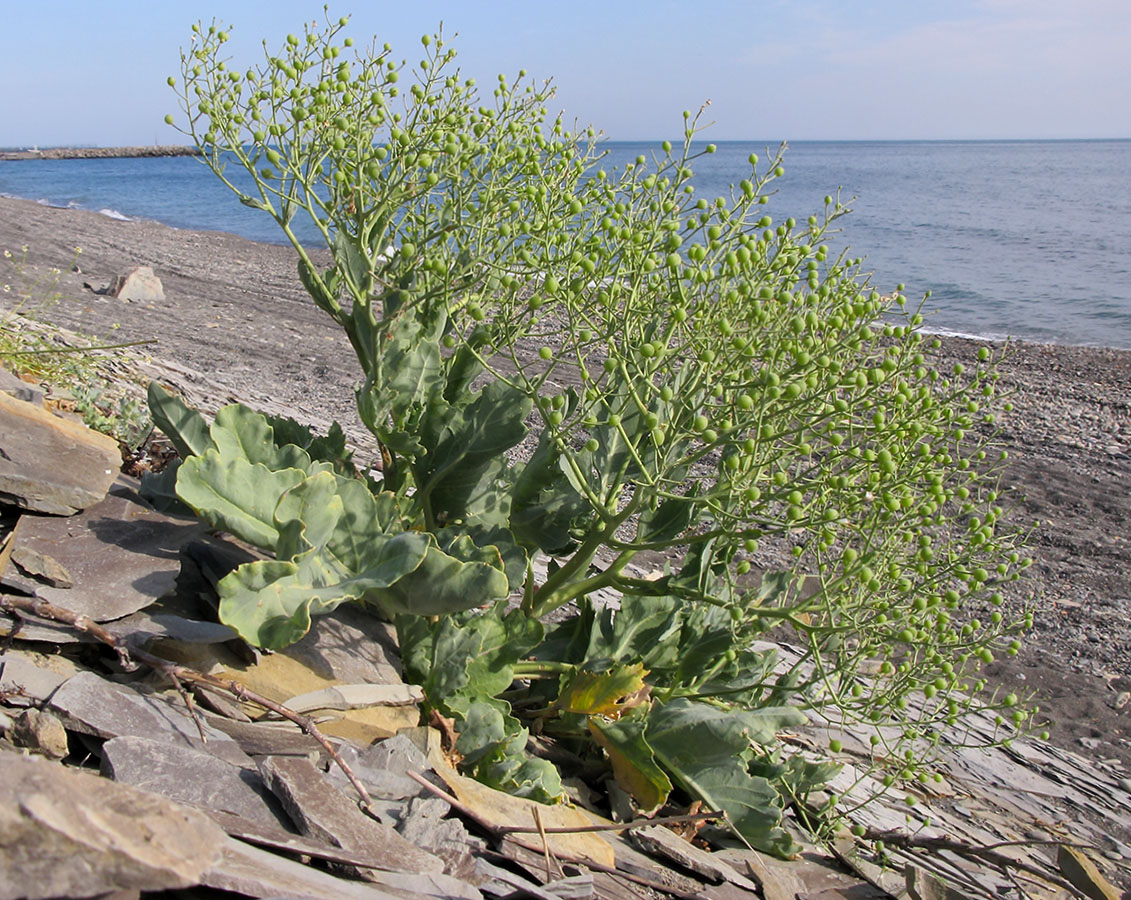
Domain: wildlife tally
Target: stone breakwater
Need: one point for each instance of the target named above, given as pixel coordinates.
(98, 152)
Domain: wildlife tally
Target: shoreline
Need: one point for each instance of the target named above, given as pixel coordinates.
(235, 310)
(98, 152)
(990, 339)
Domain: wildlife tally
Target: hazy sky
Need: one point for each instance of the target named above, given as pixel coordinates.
(93, 71)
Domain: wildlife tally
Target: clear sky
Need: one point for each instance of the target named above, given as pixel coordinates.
(92, 72)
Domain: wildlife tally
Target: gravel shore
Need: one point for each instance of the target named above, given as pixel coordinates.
(235, 310)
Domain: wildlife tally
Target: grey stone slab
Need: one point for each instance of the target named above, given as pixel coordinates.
(107, 709)
(145, 625)
(42, 567)
(191, 776)
(383, 768)
(323, 812)
(430, 884)
(66, 833)
(20, 389)
(252, 872)
(267, 738)
(35, 676)
(121, 554)
(425, 823)
(49, 464)
(666, 844)
(352, 646)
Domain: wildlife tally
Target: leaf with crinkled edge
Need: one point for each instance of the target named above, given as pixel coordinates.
(545, 508)
(460, 576)
(471, 443)
(235, 495)
(330, 447)
(270, 602)
(634, 763)
(707, 750)
(183, 425)
(473, 655)
(307, 516)
(241, 432)
(339, 514)
(494, 748)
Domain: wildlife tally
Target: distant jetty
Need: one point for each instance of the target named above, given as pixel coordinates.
(98, 152)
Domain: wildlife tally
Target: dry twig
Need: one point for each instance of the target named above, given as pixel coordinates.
(178, 673)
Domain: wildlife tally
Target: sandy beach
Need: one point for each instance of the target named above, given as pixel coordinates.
(235, 311)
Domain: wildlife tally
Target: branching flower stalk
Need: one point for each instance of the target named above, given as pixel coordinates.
(702, 380)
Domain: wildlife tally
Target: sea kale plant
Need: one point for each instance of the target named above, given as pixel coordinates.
(584, 379)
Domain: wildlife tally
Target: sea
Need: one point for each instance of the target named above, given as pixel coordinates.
(1022, 239)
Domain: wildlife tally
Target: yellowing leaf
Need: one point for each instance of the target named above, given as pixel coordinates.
(633, 762)
(605, 693)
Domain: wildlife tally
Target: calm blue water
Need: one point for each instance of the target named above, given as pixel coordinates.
(1024, 238)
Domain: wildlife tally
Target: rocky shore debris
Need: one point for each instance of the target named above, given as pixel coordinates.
(305, 773)
(51, 464)
(139, 284)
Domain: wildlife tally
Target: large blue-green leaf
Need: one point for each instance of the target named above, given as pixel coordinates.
(160, 489)
(456, 577)
(330, 447)
(338, 514)
(546, 510)
(270, 602)
(467, 446)
(494, 747)
(240, 432)
(473, 655)
(707, 750)
(236, 495)
(184, 426)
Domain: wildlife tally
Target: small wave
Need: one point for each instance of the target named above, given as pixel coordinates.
(114, 214)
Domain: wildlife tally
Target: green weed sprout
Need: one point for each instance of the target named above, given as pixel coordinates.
(699, 379)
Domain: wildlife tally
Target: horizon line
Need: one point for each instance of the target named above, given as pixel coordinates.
(649, 140)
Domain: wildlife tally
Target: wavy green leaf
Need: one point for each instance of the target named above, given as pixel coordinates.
(241, 432)
(707, 750)
(235, 495)
(270, 602)
(545, 509)
(460, 576)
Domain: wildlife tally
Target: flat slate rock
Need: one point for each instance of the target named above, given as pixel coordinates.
(247, 870)
(33, 676)
(20, 389)
(323, 812)
(190, 776)
(107, 709)
(383, 768)
(67, 833)
(50, 464)
(120, 553)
